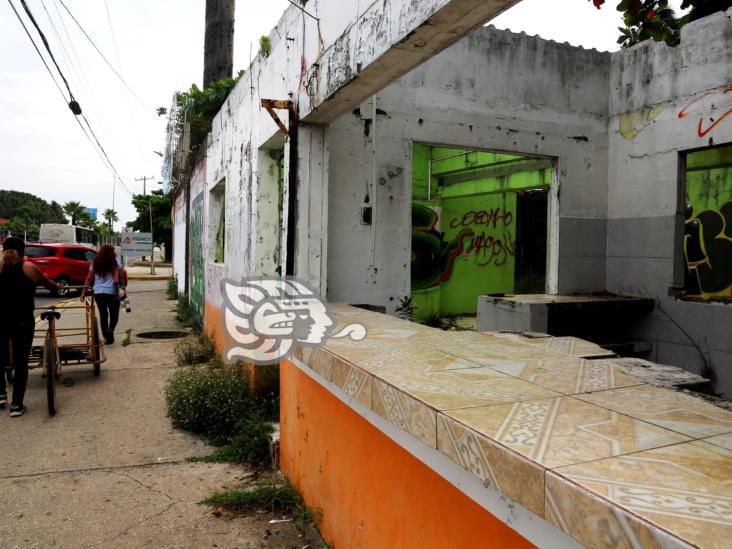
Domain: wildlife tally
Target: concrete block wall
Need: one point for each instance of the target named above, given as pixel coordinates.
(662, 102)
(493, 90)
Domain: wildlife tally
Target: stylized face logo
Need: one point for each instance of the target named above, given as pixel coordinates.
(303, 319)
(265, 317)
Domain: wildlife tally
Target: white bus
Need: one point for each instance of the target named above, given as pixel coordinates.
(57, 233)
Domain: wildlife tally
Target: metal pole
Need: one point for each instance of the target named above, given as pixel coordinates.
(152, 240)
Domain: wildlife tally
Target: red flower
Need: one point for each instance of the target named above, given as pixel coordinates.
(598, 3)
(649, 14)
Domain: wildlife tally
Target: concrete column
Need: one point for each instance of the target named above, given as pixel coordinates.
(311, 237)
(218, 46)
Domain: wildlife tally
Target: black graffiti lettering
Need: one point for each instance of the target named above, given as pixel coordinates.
(489, 218)
(708, 250)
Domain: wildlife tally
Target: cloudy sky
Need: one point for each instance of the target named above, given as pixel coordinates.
(157, 47)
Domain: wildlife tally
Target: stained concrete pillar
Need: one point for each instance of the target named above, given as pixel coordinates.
(311, 220)
(218, 46)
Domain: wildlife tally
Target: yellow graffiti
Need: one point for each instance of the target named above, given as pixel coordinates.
(630, 124)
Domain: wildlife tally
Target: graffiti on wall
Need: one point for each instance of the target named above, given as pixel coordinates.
(433, 256)
(708, 251)
(710, 108)
(197, 292)
(488, 249)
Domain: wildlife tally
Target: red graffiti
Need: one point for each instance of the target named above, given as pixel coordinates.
(706, 104)
(489, 250)
(489, 218)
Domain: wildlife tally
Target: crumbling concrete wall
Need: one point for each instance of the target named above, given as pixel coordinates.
(664, 101)
(493, 90)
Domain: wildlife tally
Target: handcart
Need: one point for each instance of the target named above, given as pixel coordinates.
(74, 345)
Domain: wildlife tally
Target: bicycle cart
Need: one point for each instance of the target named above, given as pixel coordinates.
(75, 345)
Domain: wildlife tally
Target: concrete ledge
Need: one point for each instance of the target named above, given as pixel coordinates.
(598, 453)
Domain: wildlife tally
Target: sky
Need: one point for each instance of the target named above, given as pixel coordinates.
(156, 46)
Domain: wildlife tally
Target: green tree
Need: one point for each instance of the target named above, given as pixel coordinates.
(110, 217)
(29, 208)
(160, 204)
(75, 211)
(653, 19)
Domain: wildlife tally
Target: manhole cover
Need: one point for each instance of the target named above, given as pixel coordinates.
(163, 334)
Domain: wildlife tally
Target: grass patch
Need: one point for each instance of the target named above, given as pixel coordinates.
(274, 497)
(208, 401)
(128, 338)
(172, 289)
(250, 445)
(185, 314)
(195, 350)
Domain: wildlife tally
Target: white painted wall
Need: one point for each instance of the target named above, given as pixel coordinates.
(492, 90)
(179, 238)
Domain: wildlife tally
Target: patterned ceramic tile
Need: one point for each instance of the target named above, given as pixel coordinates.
(725, 441)
(574, 375)
(685, 489)
(354, 381)
(680, 412)
(562, 430)
(404, 411)
(449, 389)
(597, 524)
(573, 346)
(491, 353)
(427, 360)
(495, 465)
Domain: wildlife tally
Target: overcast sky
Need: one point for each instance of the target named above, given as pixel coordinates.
(159, 49)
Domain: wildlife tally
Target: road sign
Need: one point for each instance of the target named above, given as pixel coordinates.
(136, 245)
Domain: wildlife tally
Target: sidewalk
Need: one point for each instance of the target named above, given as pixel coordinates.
(139, 272)
(109, 470)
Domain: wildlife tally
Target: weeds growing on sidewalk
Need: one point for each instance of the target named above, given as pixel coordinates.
(194, 350)
(251, 444)
(208, 401)
(276, 497)
(172, 289)
(128, 338)
(185, 314)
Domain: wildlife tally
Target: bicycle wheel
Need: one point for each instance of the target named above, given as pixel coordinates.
(97, 350)
(49, 364)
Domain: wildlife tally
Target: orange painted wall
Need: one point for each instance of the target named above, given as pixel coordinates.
(213, 324)
(372, 492)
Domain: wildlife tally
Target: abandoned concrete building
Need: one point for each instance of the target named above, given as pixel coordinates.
(462, 170)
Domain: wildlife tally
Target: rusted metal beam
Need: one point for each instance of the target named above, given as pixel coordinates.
(271, 104)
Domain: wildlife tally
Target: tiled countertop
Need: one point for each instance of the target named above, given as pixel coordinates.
(610, 460)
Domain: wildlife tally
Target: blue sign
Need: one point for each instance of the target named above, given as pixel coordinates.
(92, 212)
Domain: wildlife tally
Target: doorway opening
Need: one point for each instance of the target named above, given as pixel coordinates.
(479, 226)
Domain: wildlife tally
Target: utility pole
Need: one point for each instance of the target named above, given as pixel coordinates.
(218, 45)
(149, 203)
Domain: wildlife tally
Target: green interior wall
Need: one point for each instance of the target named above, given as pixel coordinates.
(464, 228)
(708, 229)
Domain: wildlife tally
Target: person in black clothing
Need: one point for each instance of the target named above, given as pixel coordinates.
(18, 281)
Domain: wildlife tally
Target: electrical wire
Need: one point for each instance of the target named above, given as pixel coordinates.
(38, 51)
(117, 74)
(298, 6)
(43, 59)
(82, 81)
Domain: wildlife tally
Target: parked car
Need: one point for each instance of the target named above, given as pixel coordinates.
(66, 264)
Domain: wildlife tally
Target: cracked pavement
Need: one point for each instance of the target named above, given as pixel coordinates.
(109, 470)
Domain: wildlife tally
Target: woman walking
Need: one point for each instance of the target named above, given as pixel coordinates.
(18, 281)
(106, 275)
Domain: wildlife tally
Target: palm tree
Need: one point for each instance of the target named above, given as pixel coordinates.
(75, 211)
(110, 216)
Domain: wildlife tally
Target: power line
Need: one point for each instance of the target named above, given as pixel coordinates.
(38, 51)
(118, 75)
(73, 105)
(81, 77)
(53, 77)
